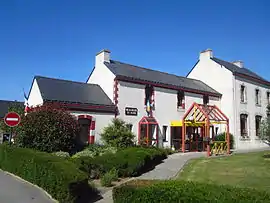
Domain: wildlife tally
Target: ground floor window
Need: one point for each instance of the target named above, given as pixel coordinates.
(258, 124)
(243, 125)
(164, 133)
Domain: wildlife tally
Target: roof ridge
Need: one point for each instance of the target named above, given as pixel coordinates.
(59, 79)
(179, 76)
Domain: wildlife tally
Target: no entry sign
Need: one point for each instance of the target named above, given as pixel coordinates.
(12, 119)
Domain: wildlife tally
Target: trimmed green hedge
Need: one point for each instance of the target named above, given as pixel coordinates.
(60, 178)
(185, 192)
(128, 162)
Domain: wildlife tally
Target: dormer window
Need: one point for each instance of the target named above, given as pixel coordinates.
(205, 99)
(181, 99)
(243, 94)
(257, 97)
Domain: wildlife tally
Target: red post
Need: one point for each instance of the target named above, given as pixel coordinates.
(208, 150)
(147, 134)
(183, 136)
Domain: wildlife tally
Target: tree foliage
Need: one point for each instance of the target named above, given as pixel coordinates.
(265, 127)
(48, 128)
(117, 134)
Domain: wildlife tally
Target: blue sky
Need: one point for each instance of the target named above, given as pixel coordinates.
(59, 39)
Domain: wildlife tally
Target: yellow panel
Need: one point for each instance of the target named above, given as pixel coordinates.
(176, 123)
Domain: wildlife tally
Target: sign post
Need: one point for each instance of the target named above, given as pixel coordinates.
(12, 119)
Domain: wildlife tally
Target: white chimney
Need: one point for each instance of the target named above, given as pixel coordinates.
(103, 56)
(206, 54)
(240, 64)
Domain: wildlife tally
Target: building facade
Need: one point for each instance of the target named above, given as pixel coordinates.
(87, 102)
(245, 96)
(139, 92)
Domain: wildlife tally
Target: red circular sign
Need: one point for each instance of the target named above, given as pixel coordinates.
(12, 119)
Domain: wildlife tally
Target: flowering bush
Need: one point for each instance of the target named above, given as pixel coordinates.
(48, 128)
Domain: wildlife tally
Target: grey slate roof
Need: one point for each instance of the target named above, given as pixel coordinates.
(144, 74)
(4, 105)
(72, 92)
(235, 69)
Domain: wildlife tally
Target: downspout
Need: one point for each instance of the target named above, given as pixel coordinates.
(235, 112)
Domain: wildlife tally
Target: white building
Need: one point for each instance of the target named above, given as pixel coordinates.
(245, 95)
(131, 87)
(87, 102)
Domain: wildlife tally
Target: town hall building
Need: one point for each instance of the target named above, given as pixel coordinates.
(154, 103)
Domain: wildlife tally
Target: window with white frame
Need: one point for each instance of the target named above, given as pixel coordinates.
(257, 97)
(244, 125)
(180, 99)
(205, 99)
(243, 93)
(164, 133)
(129, 126)
(258, 120)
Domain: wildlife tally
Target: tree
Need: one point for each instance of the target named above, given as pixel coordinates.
(48, 128)
(117, 134)
(265, 127)
(14, 107)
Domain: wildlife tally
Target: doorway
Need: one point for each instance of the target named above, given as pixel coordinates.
(84, 124)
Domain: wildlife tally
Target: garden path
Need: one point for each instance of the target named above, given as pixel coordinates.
(15, 190)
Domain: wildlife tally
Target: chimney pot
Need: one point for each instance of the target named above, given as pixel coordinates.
(206, 54)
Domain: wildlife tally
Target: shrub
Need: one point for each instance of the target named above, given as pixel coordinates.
(48, 128)
(60, 178)
(107, 178)
(118, 134)
(222, 136)
(128, 162)
(62, 154)
(84, 153)
(181, 191)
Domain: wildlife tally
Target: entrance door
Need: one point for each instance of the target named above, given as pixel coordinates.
(84, 131)
(176, 137)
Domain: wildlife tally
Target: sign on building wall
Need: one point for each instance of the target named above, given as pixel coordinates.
(131, 111)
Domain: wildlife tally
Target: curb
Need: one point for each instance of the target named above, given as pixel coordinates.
(35, 186)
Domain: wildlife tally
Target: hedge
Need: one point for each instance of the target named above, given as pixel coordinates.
(128, 162)
(59, 177)
(185, 192)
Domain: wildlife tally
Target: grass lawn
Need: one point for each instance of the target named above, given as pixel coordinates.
(243, 170)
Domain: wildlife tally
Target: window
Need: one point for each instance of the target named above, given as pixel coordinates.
(243, 95)
(258, 124)
(268, 98)
(257, 97)
(164, 133)
(205, 99)
(149, 99)
(243, 125)
(129, 126)
(180, 99)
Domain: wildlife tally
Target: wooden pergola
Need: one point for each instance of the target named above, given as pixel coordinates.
(145, 130)
(205, 115)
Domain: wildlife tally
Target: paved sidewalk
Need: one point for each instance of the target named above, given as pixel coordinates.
(14, 190)
(171, 166)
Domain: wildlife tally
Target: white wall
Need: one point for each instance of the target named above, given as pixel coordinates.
(35, 97)
(219, 78)
(132, 95)
(102, 120)
(251, 109)
(104, 77)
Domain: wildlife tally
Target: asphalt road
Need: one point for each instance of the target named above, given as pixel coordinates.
(14, 190)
